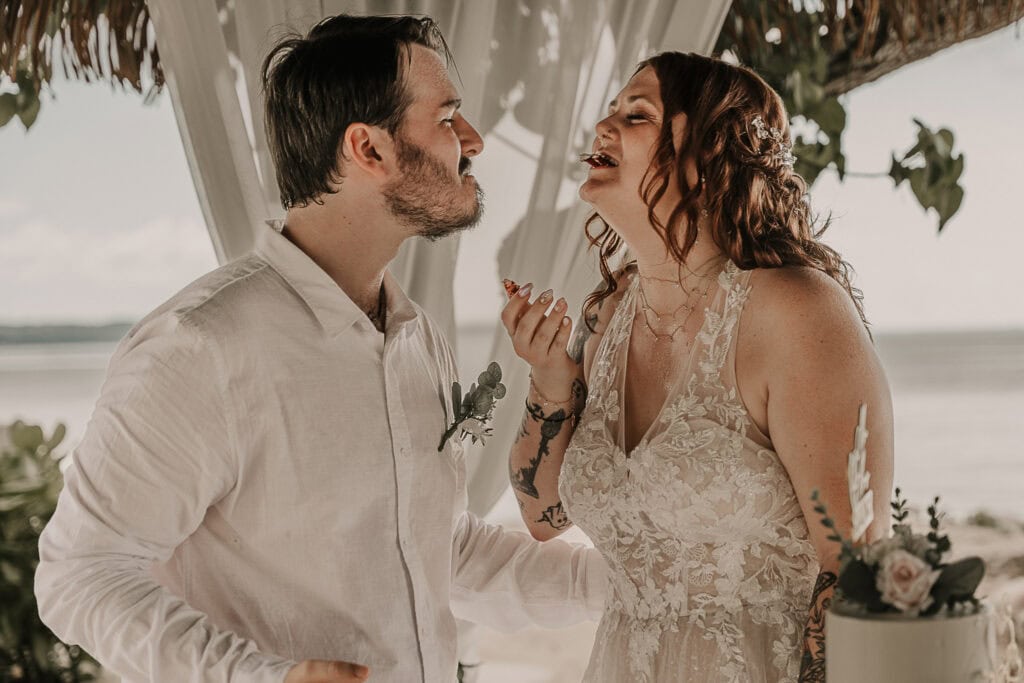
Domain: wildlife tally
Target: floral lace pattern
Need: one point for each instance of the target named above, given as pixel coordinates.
(708, 549)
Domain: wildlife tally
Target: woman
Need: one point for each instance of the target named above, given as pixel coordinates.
(721, 372)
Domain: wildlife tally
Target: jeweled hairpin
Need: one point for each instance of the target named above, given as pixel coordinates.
(784, 153)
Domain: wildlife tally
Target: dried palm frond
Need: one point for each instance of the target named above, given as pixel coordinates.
(864, 39)
(104, 40)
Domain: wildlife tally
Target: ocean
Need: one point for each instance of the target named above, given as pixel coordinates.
(958, 401)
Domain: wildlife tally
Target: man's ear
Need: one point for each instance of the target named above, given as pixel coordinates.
(368, 148)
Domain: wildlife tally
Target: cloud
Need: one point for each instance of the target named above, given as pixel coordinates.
(12, 208)
(58, 273)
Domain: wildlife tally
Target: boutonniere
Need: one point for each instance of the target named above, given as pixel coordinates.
(473, 411)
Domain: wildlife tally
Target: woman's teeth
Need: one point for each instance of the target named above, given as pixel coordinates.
(598, 160)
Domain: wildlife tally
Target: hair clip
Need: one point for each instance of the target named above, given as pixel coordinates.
(784, 153)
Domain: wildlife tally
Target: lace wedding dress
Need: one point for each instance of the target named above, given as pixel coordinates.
(711, 568)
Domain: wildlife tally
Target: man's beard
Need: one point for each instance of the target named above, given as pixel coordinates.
(425, 196)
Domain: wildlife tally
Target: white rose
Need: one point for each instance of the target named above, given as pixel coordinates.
(472, 425)
(875, 552)
(906, 581)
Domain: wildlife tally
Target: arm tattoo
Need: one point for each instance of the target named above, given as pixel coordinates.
(523, 479)
(580, 336)
(812, 665)
(555, 516)
(579, 393)
(523, 431)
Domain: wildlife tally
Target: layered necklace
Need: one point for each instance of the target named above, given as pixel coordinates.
(694, 286)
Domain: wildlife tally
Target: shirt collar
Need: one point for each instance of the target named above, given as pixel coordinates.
(333, 308)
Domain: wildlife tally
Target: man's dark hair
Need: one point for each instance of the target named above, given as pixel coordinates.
(346, 70)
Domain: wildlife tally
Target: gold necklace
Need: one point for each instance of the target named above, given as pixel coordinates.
(670, 336)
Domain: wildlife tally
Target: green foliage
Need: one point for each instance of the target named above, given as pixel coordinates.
(30, 481)
(859, 565)
(24, 102)
(899, 510)
(933, 172)
(790, 47)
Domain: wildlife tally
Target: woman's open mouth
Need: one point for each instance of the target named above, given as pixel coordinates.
(598, 160)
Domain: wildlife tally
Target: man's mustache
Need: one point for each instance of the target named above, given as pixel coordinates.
(464, 165)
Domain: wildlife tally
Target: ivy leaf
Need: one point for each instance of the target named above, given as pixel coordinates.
(932, 171)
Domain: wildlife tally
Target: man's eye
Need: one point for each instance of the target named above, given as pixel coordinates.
(449, 122)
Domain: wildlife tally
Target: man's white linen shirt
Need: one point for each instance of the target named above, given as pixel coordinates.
(260, 484)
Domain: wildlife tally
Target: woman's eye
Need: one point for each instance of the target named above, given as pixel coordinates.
(636, 117)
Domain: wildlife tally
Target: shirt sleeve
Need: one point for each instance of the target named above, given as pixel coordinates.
(157, 453)
(507, 580)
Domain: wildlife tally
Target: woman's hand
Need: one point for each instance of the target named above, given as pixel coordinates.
(540, 338)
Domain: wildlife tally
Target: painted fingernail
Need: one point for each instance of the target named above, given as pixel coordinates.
(565, 321)
(560, 305)
(525, 290)
(510, 287)
(545, 296)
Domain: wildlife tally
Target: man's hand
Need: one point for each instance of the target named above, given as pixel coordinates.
(320, 671)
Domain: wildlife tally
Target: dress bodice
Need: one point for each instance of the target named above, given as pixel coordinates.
(699, 524)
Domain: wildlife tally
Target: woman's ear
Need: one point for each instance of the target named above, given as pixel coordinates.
(367, 148)
(680, 126)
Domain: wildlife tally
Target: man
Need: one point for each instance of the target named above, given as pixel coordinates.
(259, 495)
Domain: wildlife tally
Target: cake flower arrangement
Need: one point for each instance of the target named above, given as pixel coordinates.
(899, 599)
(906, 573)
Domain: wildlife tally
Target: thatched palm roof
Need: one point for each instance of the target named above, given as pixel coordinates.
(112, 40)
(106, 40)
(865, 39)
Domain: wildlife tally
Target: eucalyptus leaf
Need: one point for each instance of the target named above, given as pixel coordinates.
(457, 400)
(494, 370)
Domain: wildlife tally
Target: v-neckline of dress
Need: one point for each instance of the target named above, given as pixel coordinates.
(687, 367)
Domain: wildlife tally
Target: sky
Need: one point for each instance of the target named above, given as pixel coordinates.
(99, 219)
